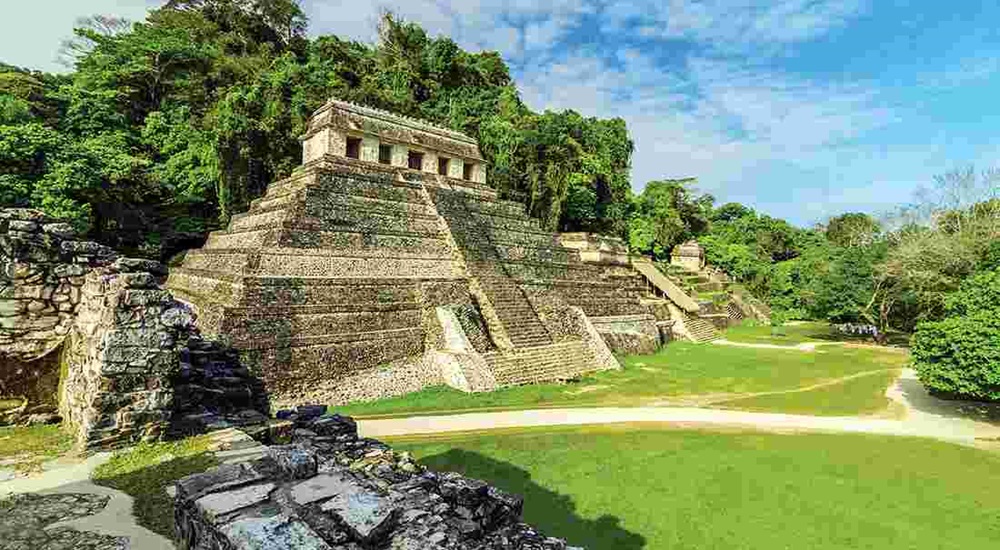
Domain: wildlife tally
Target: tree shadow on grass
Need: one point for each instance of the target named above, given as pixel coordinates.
(947, 405)
(153, 507)
(552, 513)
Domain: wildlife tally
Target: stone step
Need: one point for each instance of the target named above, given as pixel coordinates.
(322, 327)
(560, 361)
(350, 181)
(325, 197)
(701, 330)
(268, 219)
(380, 337)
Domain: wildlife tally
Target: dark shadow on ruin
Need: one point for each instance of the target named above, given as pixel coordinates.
(545, 509)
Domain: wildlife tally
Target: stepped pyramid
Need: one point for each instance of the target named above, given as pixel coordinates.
(385, 264)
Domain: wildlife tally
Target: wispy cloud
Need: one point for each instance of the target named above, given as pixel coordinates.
(701, 84)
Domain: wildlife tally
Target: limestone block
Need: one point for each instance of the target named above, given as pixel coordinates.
(274, 533)
(369, 148)
(213, 506)
(25, 226)
(139, 265)
(400, 156)
(367, 514)
(455, 168)
(59, 229)
(430, 163)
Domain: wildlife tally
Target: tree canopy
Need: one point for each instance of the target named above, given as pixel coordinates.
(168, 126)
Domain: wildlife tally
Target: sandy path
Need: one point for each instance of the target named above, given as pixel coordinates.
(924, 416)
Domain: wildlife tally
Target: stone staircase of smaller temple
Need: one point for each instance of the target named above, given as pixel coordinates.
(701, 329)
(559, 362)
(715, 306)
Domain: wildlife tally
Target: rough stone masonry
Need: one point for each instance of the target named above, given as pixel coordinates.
(94, 337)
(330, 489)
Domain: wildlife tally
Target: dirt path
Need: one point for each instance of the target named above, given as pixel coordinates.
(924, 416)
(73, 478)
(705, 400)
(116, 519)
(804, 346)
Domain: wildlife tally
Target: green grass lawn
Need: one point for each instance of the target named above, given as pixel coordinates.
(862, 395)
(27, 447)
(679, 369)
(799, 332)
(631, 487)
(146, 470)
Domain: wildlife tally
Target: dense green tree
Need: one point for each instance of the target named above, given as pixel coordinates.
(667, 213)
(852, 229)
(170, 125)
(960, 354)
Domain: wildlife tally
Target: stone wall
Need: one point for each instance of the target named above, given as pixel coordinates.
(135, 367)
(331, 489)
(96, 336)
(42, 268)
(629, 334)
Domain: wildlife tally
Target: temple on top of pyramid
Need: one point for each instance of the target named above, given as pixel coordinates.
(386, 264)
(343, 129)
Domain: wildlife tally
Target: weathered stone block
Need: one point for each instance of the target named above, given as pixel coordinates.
(216, 505)
(382, 501)
(61, 230)
(25, 226)
(139, 265)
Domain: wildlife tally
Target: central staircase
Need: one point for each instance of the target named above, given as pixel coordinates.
(516, 262)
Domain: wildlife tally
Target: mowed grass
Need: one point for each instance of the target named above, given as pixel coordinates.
(799, 332)
(640, 487)
(146, 470)
(679, 369)
(862, 395)
(25, 448)
(796, 333)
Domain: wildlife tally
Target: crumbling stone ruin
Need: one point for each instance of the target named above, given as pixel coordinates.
(331, 489)
(91, 338)
(385, 264)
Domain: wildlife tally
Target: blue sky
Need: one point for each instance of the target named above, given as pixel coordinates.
(801, 108)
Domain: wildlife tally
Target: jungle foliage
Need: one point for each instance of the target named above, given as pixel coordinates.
(168, 126)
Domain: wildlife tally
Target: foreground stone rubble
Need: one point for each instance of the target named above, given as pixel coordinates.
(330, 489)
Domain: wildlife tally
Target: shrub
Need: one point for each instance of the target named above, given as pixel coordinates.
(960, 356)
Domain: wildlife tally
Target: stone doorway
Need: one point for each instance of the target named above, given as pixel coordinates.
(29, 389)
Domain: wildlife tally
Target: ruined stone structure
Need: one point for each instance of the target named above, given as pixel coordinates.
(700, 302)
(93, 337)
(689, 255)
(386, 264)
(331, 489)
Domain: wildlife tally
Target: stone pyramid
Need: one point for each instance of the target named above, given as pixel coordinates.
(386, 264)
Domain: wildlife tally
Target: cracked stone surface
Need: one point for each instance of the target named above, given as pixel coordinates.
(23, 519)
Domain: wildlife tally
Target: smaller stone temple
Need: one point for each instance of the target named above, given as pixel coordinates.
(689, 255)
